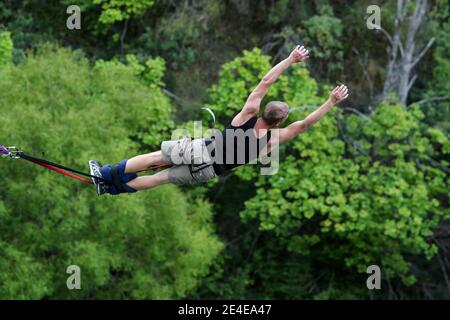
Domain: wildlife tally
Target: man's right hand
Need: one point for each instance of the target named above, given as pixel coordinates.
(299, 54)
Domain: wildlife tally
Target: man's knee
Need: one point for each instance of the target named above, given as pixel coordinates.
(157, 157)
(161, 177)
(188, 174)
(117, 178)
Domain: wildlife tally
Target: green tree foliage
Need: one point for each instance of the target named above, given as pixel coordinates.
(22, 277)
(174, 36)
(151, 73)
(379, 206)
(322, 34)
(6, 48)
(236, 79)
(117, 10)
(150, 245)
(438, 87)
(370, 192)
(349, 188)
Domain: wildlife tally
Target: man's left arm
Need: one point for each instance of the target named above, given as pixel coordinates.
(293, 130)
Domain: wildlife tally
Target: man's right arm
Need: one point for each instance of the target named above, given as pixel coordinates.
(252, 105)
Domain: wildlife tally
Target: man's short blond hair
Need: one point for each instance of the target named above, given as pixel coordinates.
(274, 112)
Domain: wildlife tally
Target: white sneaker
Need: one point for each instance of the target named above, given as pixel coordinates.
(100, 185)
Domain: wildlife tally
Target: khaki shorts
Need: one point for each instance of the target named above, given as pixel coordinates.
(190, 159)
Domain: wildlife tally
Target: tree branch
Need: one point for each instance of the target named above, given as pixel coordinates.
(348, 109)
(172, 95)
(391, 40)
(405, 9)
(435, 163)
(354, 144)
(442, 98)
(366, 74)
(358, 113)
(411, 82)
(417, 17)
(424, 50)
(444, 270)
(303, 108)
(122, 37)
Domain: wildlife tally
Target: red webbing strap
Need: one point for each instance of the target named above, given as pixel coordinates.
(68, 174)
(155, 167)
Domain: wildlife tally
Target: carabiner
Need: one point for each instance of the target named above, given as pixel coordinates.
(11, 152)
(4, 152)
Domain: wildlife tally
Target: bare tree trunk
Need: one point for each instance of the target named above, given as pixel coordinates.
(122, 37)
(402, 54)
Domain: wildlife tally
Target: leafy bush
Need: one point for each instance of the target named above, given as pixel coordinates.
(352, 191)
(6, 48)
(155, 244)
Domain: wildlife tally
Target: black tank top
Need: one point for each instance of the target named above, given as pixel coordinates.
(232, 145)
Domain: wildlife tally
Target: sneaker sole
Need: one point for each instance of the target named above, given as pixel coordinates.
(94, 168)
(93, 172)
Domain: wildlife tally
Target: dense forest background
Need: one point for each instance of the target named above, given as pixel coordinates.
(367, 185)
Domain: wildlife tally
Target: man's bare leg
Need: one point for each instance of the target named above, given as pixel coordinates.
(147, 182)
(144, 161)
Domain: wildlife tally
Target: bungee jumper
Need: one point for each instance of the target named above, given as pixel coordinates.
(188, 161)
